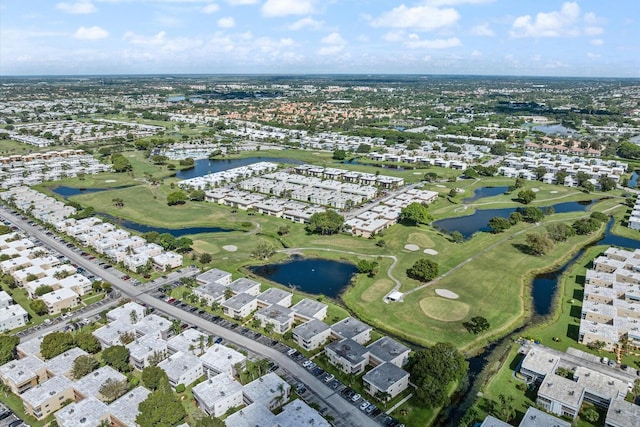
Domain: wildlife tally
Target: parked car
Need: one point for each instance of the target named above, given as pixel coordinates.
(364, 405)
(356, 397)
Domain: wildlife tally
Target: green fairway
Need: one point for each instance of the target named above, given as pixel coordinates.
(443, 309)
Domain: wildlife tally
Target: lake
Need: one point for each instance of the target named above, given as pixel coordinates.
(65, 191)
(310, 275)
(175, 232)
(482, 192)
(556, 129)
(478, 221)
(633, 181)
(204, 167)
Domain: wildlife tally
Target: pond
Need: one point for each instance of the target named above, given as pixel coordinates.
(633, 181)
(556, 129)
(204, 167)
(175, 232)
(65, 191)
(478, 221)
(482, 192)
(310, 275)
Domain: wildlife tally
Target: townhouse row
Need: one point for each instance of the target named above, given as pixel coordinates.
(588, 382)
(611, 303)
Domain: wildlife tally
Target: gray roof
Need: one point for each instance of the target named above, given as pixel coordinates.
(214, 290)
(310, 329)
(349, 327)
(152, 324)
(142, 347)
(178, 363)
(537, 418)
(387, 349)
(215, 388)
(32, 346)
(349, 350)
(562, 390)
(85, 413)
(43, 391)
(254, 415)
(539, 361)
(238, 301)
(243, 285)
(266, 388)
(273, 295)
(308, 307)
(21, 370)
(492, 421)
(385, 375)
(63, 363)
(213, 276)
(90, 384)
(298, 413)
(622, 413)
(187, 338)
(125, 408)
(221, 358)
(277, 313)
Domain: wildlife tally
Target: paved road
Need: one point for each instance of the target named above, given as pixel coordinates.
(346, 413)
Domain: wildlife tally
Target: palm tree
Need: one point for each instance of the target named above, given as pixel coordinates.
(133, 316)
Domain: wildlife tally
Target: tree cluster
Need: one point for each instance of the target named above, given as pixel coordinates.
(120, 163)
(168, 242)
(325, 223)
(415, 213)
(476, 325)
(162, 408)
(368, 267)
(423, 270)
(433, 369)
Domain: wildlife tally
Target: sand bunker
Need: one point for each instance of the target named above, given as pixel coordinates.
(230, 248)
(447, 293)
(553, 192)
(430, 252)
(440, 186)
(109, 180)
(535, 190)
(411, 247)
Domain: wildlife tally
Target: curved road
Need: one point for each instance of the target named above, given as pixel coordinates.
(347, 414)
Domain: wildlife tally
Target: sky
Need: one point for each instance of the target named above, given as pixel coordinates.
(590, 38)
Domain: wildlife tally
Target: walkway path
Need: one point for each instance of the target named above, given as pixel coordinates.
(397, 405)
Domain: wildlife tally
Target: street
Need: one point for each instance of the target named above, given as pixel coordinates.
(343, 412)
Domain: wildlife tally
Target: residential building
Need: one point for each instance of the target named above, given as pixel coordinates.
(387, 349)
(560, 396)
(146, 348)
(211, 292)
(252, 415)
(220, 359)
(269, 390)
(348, 355)
(622, 414)
(216, 395)
(47, 397)
(491, 421)
(240, 306)
(59, 300)
(281, 318)
(12, 316)
(537, 364)
(90, 384)
(246, 286)
(182, 368)
(308, 309)
(386, 379)
(536, 418)
(312, 334)
(274, 296)
(353, 329)
(87, 412)
(188, 341)
(297, 413)
(23, 374)
(214, 276)
(62, 364)
(124, 410)
(599, 389)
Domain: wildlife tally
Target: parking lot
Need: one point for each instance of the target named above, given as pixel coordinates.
(9, 419)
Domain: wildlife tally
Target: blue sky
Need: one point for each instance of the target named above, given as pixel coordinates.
(502, 37)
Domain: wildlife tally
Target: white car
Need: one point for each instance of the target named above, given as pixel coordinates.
(364, 405)
(306, 363)
(355, 398)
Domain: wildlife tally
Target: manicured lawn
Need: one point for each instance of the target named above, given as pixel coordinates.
(90, 299)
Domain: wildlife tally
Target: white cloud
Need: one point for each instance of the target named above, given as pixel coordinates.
(426, 58)
(597, 42)
(242, 2)
(563, 23)
(592, 55)
(91, 33)
(422, 18)
(274, 8)
(415, 42)
(79, 8)
(306, 23)
(227, 22)
(333, 38)
(210, 8)
(393, 36)
(476, 54)
(334, 44)
(139, 40)
(454, 2)
(482, 30)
